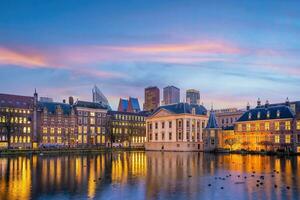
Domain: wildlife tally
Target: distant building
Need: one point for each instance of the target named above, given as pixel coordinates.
(193, 96)
(46, 99)
(152, 98)
(227, 117)
(18, 121)
(98, 96)
(176, 127)
(171, 95)
(91, 122)
(129, 105)
(57, 125)
(128, 128)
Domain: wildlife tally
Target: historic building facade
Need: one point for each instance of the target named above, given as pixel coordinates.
(91, 124)
(176, 127)
(227, 117)
(56, 125)
(128, 129)
(17, 121)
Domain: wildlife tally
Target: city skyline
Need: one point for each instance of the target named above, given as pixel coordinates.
(62, 53)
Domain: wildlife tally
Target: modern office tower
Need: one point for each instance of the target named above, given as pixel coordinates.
(193, 96)
(129, 105)
(171, 95)
(152, 98)
(98, 96)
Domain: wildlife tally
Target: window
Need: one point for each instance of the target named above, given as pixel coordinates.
(92, 120)
(277, 139)
(156, 125)
(258, 115)
(80, 129)
(257, 126)
(156, 136)
(278, 113)
(298, 125)
(288, 139)
(212, 141)
(163, 125)
(24, 129)
(163, 136)
(59, 130)
(85, 129)
(277, 126)
(52, 130)
(287, 125)
(150, 136)
(170, 135)
(240, 128)
(92, 130)
(248, 127)
(268, 114)
(249, 116)
(267, 126)
(44, 130)
(92, 114)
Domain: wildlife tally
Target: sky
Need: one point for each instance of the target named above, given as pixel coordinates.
(232, 51)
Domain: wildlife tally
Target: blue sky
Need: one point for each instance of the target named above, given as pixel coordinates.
(232, 51)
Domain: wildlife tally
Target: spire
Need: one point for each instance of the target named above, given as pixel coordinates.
(212, 121)
(248, 106)
(258, 102)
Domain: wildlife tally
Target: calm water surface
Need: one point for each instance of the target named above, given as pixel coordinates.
(150, 175)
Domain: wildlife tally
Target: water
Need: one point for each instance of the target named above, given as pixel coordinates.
(150, 175)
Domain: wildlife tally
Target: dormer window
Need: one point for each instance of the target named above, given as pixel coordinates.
(258, 115)
(249, 116)
(193, 111)
(278, 113)
(268, 114)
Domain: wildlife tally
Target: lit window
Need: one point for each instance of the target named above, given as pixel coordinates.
(85, 129)
(92, 120)
(24, 129)
(240, 127)
(288, 139)
(59, 140)
(258, 115)
(79, 129)
(277, 139)
(59, 130)
(92, 114)
(287, 125)
(257, 126)
(278, 113)
(248, 127)
(267, 126)
(277, 126)
(249, 116)
(99, 130)
(28, 130)
(268, 114)
(52, 130)
(298, 125)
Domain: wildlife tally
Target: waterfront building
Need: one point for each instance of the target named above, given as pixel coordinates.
(176, 127)
(171, 95)
(17, 121)
(91, 124)
(193, 96)
(152, 98)
(56, 125)
(212, 135)
(227, 117)
(129, 105)
(128, 129)
(98, 96)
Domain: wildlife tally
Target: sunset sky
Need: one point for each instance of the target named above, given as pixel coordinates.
(232, 51)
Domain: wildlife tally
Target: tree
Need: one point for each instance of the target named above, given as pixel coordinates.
(7, 124)
(246, 144)
(266, 143)
(230, 142)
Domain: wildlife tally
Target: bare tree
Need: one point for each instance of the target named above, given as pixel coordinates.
(230, 142)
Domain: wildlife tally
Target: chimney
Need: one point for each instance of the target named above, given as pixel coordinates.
(267, 104)
(64, 101)
(71, 100)
(258, 102)
(248, 106)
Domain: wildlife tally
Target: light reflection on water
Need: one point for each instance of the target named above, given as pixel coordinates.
(150, 175)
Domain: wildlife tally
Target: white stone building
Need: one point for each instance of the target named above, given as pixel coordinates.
(176, 127)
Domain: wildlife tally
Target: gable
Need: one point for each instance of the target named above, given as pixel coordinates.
(161, 113)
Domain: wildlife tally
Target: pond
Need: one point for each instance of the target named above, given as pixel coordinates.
(149, 175)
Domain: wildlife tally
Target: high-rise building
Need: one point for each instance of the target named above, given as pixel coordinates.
(171, 95)
(98, 96)
(129, 105)
(193, 96)
(152, 98)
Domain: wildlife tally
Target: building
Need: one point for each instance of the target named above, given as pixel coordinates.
(212, 134)
(98, 96)
(176, 127)
(56, 125)
(91, 124)
(171, 95)
(152, 98)
(127, 128)
(130, 105)
(46, 99)
(193, 96)
(18, 121)
(227, 117)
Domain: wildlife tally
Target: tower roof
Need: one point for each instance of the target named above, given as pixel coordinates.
(212, 121)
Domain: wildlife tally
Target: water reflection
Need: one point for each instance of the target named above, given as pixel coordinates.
(150, 175)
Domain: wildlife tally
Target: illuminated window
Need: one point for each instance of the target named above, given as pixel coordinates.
(288, 139)
(249, 116)
(79, 138)
(21, 120)
(28, 139)
(298, 125)
(257, 126)
(267, 126)
(24, 129)
(24, 139)
(99, 130)
(92, 129)
(240, 128)
(44, 129)
(79, 129)
(59, 140)
(278, 113)
(277, 126)
(287, 125)
(98, 139)
(92, 120)
(25, 120)
(52, 130)
(248, 127)
(85, 129)
(84, 139)
(258, 115)
(277, 139)
(52, 140)
(45, 139)
(59, 130)
(28, 129)
(92, 114)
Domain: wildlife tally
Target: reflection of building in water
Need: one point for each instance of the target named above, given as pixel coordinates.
(176, 127)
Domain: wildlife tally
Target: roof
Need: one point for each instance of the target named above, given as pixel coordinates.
(183, 108)
(212, 121)
(142, 113)
(87, 104)
(17, 101)
(228, 128)
(52, 106)
(260, 113)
